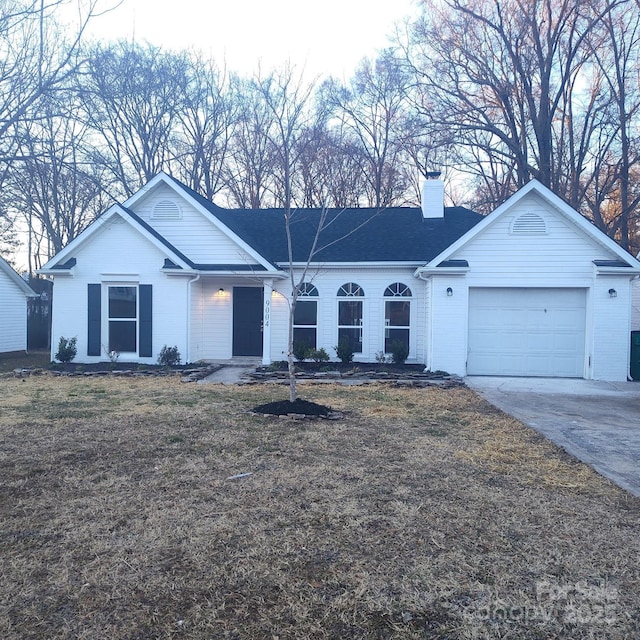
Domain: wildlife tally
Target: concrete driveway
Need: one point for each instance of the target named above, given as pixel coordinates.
(597, 422)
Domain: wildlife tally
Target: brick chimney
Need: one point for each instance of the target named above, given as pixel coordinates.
(433, 196)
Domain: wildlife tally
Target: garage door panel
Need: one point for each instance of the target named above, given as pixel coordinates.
(526, 332)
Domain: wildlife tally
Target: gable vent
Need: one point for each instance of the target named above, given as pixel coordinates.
(166, 210)
(529, 224)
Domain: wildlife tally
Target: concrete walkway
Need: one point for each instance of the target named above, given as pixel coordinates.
(597, 422)
(228, 374)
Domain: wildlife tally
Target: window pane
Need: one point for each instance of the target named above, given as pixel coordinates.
(397, 313)
(122, 336)
(395, 335)
(305, 335)
(122, 302)
(305, 313)
(350, 312)
(353, 336)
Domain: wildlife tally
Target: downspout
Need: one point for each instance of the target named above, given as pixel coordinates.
(428, 313)
(189, 289)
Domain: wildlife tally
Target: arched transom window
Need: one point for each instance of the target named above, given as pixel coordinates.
(305, 316)
(397, 289)
(351, 289)
(397, 316)
(350, 314)
(307, 290)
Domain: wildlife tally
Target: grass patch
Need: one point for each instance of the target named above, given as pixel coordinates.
(146, 508)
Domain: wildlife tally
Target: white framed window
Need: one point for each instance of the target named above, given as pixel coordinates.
(305, 316)
(122, 318)
(350, 315)
(397, 316)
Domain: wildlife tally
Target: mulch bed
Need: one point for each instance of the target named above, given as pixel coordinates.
(297, 407)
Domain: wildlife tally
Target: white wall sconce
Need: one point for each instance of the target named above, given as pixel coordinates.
(221, 291)
(613, 293)
(449, 292)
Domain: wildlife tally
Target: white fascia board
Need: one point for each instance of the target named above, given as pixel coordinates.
(181, 193)
(17, 279)
(351, 265)
(147, 188)
(581, 222)
(441, 271)
(617, 271)
(253, 275)
(78, 241)
(93, 228)
(558, 203)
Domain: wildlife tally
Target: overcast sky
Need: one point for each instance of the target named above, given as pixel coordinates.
(326, 36)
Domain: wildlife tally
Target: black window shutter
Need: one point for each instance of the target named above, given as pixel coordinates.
(146, 312)
(95, 320)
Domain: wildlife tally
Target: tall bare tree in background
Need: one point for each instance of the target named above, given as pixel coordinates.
(534, 89)
(248, 173)
(206, 122)
(492, 92)
(133, 98)
(373, 108)
(38, 58)
(53, 187)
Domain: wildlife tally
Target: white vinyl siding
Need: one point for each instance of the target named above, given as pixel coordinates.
(562, 257)
(135, 261)
(193, 233)
(13, 316)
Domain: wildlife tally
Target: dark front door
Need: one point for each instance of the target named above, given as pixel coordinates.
(247, 321)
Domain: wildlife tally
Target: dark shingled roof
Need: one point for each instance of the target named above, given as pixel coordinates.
(396, 234)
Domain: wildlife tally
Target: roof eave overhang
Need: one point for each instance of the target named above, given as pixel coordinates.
(262, 275)
(353, 265)
(617, 271)
(55, 272)
(441, 271)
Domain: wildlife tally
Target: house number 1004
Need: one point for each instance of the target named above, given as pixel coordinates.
(267, 312)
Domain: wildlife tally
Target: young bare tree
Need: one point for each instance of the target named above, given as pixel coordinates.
(287, 100)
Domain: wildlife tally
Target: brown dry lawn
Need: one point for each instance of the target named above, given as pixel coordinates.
(419, 514)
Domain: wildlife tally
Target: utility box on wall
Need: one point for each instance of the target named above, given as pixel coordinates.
(635, 355)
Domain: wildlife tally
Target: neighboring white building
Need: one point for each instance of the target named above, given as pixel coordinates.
(533, 289)
(14, 292)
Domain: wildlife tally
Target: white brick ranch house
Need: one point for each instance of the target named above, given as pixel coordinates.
(533, 289)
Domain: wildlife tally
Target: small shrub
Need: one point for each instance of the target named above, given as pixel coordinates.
(399, 352)
(344, 351)
(66, 349)
(169, 356)
(301, 351)
(318, 355)
(381, 358)
(278, 365)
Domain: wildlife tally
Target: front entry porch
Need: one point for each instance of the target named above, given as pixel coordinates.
(230, 321)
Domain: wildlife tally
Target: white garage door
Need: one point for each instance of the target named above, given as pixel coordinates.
(527, 332)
